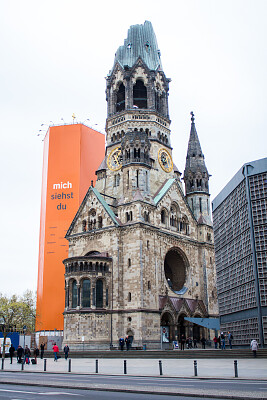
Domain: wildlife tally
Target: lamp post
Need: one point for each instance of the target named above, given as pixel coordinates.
(24, 331)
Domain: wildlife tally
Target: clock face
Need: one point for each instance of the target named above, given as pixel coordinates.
(115, 159)
(165, 160)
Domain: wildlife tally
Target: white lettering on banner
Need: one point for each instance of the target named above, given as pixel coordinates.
(61, 185)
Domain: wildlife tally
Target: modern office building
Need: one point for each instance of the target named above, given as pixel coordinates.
(240, 236)
(71, 155)
(141, 253)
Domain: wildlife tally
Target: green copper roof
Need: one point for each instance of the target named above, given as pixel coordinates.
(164, 190)
(141, 42)
(105, 205)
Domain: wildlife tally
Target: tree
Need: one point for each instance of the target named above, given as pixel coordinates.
(15, 313)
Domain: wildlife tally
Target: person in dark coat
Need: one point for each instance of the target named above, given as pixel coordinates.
(182, 342)
(36, 354)
(128, 343)
(11, 353)
(66, 351)
(121, 343)
(203, 341)
(27, 354)
(20, 354)
(42, 347)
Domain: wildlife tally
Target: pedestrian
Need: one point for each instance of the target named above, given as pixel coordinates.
(219, 341)
(182, 341)
(27, 354)
(254, 346)
(42, 348)
(222, 341)
(11, 353)
(215, 340)
(55, 350)
(195, 343)
(230, 338)
(20, 354)
(66, 351)
(36, 354)
(121, 343)
(128, 343)
(203, 341)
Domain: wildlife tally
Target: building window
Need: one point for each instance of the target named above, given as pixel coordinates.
(139, 95)
(120, 98)
(99, 293)
(200, 204)
(163, 216)
(129, 296)
(137, 178)
(86, 293)
(100, 222)
(129, 262)
(146, 216)
(74, 294)
(147, 244)
(106, 297)
(148, 285)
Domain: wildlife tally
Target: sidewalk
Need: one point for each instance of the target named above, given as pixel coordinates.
(207, 368)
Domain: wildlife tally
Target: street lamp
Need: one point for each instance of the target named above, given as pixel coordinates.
(24, 330)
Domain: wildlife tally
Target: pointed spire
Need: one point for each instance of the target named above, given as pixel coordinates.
(196, 175)
(194, 148)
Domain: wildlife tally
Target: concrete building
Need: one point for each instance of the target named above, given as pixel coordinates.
(141, 253)
(240, 234)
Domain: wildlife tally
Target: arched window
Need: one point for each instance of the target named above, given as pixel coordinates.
(140, 94)
(163, 216)
(74, 294)
(120, 105)
(84, 225)
(129, 296)
(100, 222)
(99, 293)
(86, 293)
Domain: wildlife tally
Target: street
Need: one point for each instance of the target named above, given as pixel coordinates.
(219, 388)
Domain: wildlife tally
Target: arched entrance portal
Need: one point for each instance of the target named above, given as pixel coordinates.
(175, 265)
(167, 328)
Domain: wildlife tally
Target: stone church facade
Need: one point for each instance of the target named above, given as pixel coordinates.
(141, 254)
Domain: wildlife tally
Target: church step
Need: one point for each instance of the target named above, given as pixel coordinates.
(192, 353)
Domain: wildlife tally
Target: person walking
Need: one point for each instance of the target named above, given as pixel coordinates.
(195, 343)
(121, 343)
(254, 346)
(182, 341)
(222, 341)
(27, 354)
(42, 348)
(20, 354)
(230, 338)
(55, 350)
(66, 351)
(11, 353)
(215, 340)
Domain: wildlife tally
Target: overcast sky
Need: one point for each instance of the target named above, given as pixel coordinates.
(55, 56)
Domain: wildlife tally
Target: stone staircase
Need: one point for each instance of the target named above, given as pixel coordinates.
(163, 354)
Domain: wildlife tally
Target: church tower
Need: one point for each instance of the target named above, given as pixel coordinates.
(139, 261)
(196, 178)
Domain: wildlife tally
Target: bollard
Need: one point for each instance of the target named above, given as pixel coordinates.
(235, 368)
(160, 367)
(22, 365)
(195, 367)
(45, 360)
(96, 366)
(69, 370)
(125, 366)
(3, 362)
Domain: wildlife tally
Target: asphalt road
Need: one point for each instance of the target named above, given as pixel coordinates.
(11, 392)
(219, 388)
